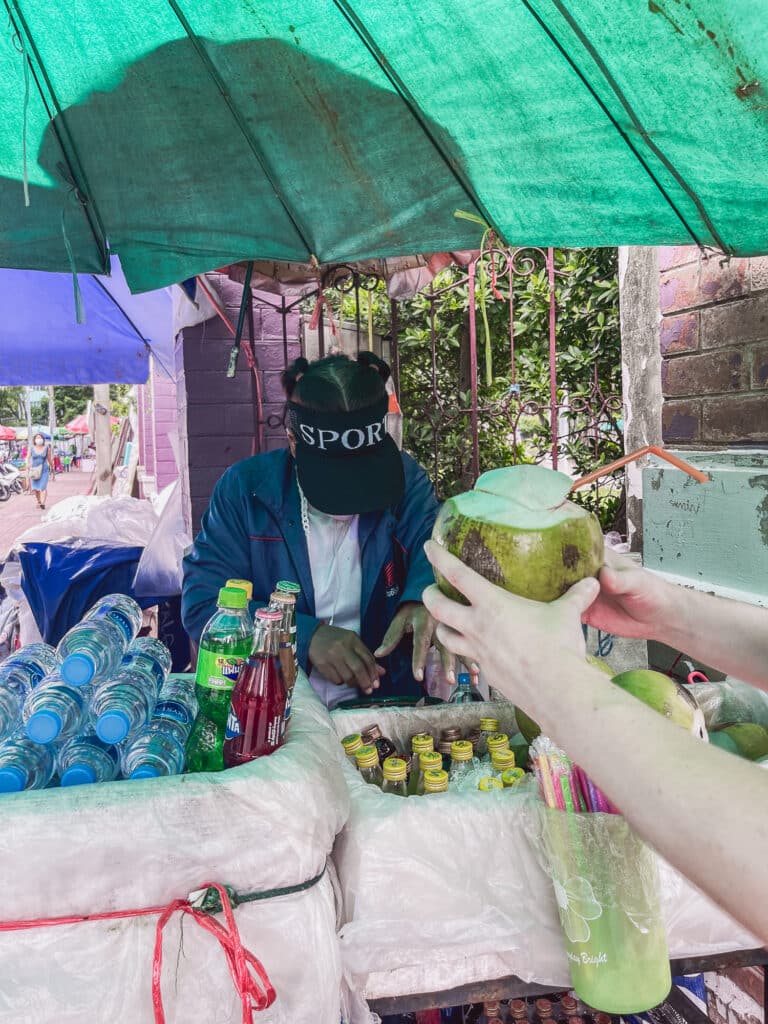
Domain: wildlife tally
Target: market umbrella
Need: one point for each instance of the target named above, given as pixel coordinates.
(7, 433)
(196, 133)
(80, 424)
(113, 344)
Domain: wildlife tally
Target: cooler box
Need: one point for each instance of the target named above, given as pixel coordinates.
(269, 825)
(443, 891)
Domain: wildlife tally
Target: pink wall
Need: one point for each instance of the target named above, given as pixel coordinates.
(157, 419)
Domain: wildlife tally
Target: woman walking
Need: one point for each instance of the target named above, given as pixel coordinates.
(39, 469)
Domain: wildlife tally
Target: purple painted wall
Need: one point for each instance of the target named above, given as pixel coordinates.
(218, 421)
(157, 422)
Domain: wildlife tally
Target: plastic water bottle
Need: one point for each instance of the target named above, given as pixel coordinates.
(121, 610)
(24, 765)
(10, 711)
(91, 651)
(152, 755)
(159, 749)
(123, 705)
(86, 759)
(23, 670)
(150, 655)
(176, 710)
(54, 710)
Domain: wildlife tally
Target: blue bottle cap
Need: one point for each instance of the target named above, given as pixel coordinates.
(43, 726)
(145, 771)
(12, 780)
(112, 726)
(77, 669)
(78, 775)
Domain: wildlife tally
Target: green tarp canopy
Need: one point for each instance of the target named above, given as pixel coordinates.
(187, 134)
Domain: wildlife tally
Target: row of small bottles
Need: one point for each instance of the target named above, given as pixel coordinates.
(245, 677)
(539, 1011)
(426, 771)
(554, 1010)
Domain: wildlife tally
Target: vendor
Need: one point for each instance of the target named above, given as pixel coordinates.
(344, 514)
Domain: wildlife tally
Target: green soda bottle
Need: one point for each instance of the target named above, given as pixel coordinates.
(225, 643)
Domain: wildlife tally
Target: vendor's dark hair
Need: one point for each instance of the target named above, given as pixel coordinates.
(337, 383)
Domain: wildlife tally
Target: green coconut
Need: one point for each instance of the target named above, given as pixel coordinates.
(747, 739)
(518, 530)
(666, 696)
(658, 691)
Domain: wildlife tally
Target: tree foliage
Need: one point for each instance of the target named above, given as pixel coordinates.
(11, 406)
(70, 401)
(435, 395)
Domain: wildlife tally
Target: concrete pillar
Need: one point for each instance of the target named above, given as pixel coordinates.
(103, 438)
(641, 368)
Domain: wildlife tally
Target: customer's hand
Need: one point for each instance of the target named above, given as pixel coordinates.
(413, 617)
(514, 641)
(342, 658)
(632, 601)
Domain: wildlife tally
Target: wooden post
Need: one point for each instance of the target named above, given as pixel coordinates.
(103, 439)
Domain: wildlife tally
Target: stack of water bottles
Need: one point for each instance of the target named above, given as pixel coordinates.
(98, 708)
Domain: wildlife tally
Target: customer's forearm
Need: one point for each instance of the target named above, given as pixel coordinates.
(728, 635)
(697, 805)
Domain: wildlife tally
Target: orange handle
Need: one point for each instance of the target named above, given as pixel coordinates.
(649, 449)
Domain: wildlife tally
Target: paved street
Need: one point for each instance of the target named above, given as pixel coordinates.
(20, 511)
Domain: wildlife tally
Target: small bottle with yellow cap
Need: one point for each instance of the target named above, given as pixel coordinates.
(421, 743)
(435, 781)
(352, 744)
(488, 726)
(500, 761)
(395, 771)
(462, 761)
(367, 758)
(512, 777)
(496, 741)
(431, 761)
(489, 784)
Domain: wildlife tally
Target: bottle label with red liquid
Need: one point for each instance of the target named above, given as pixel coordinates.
(256, 715)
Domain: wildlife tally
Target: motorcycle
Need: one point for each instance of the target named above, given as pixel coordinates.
(10, 478)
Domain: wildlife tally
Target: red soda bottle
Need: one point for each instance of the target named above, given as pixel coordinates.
(255, 722)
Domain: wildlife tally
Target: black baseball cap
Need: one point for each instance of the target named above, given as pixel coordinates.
(346, 461)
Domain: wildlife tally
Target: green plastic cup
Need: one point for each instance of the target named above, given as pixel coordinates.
(606, 889)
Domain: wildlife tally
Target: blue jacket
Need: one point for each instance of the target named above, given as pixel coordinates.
(252, 530)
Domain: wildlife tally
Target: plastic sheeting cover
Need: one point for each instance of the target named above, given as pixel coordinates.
(466, 899)
(87, 849)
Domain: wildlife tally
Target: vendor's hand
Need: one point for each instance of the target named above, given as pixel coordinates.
(515, 641)
(413, 617)
(343, 659)
(632, 601)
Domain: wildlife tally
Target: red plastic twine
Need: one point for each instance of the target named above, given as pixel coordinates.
(314, 320)
(248, 975)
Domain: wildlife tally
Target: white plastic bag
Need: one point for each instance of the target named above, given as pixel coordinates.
(124, 845)
(159, 573)
(130, 521)
(730, 701)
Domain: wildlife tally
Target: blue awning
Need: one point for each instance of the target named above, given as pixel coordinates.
(41, 342)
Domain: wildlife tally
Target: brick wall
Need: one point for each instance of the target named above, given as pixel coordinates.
(218, 416)
(714, 346)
